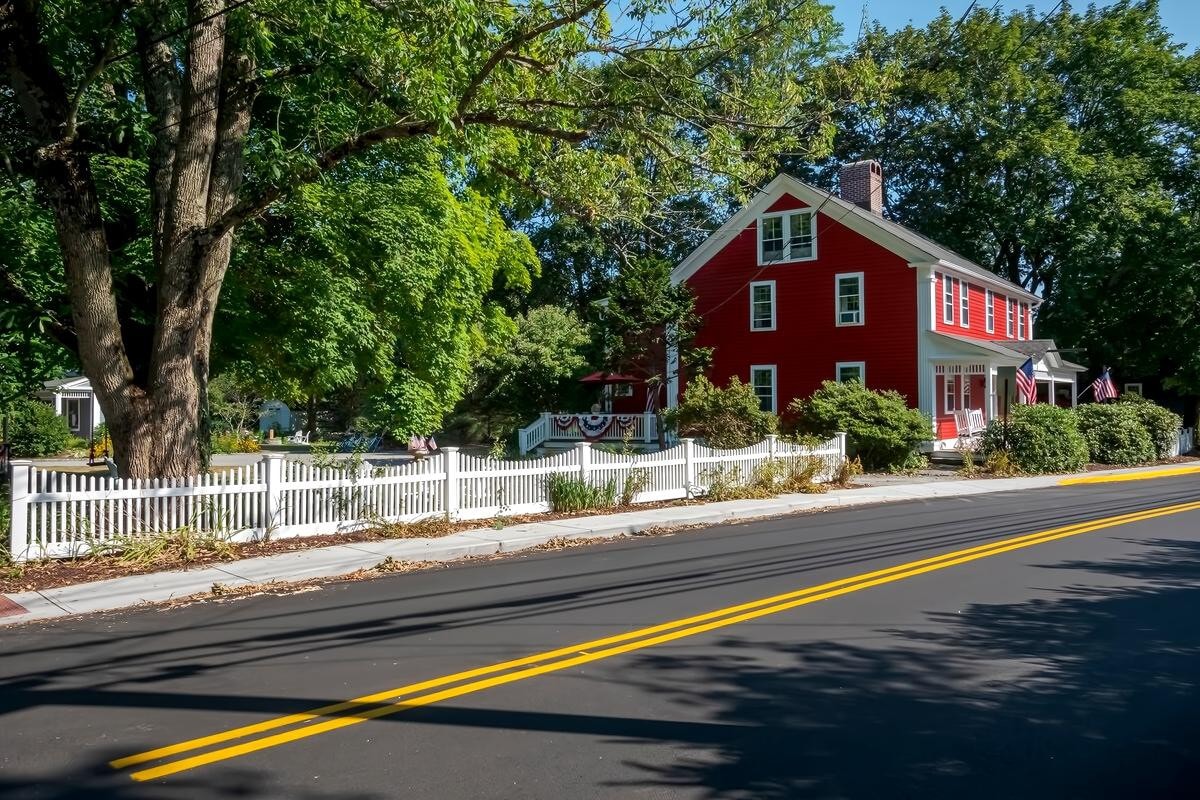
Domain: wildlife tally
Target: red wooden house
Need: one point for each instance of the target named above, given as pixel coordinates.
(802, 286)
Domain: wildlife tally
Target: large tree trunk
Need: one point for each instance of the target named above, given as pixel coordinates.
(157, 413)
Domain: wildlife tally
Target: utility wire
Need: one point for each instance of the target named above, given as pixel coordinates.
(184, 29)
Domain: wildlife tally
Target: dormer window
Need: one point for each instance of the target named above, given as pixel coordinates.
(787, 236)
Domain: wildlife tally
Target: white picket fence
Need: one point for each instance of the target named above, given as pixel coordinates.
(61, 514)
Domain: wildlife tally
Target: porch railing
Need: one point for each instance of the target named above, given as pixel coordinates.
(587, 428)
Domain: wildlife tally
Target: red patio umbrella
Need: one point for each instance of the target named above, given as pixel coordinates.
(602, 378)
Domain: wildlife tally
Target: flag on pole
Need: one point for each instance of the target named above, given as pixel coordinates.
(1103, 387)
(1026, 385)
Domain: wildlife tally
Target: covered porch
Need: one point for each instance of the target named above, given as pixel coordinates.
(550, 429)
(980, 376)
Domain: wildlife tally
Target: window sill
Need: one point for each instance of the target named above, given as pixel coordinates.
(762, 263)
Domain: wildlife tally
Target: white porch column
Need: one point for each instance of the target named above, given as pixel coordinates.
(672, 376)
(989, 391)
(1075, 391)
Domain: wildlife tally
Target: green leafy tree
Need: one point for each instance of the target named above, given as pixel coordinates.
(155, 131)
(728, 417)
(645, 319)
(233, 402)
(379, 283)
(881, 430)
(533, 371)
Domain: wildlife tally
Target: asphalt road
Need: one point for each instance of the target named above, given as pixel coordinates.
(1066, 668)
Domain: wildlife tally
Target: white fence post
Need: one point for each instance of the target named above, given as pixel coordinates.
(689, 464)
(841, 445)
(273, 504)
(584, 449)
(18, 478)
(772, 445)
(452, 469)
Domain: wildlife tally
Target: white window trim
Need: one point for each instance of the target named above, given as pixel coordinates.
(989, 313)
(774, 384)
(947, 299)
(949, 397)
(837, 299)
(1020, 322)
(1133, 388)
(862, 370)
(1008, 314)
(771, 327)
(964, 303)
(787, 235)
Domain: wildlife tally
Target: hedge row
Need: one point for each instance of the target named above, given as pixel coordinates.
(1045, 438)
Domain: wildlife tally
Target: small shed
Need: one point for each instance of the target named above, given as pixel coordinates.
(274, 414)
(74, 400)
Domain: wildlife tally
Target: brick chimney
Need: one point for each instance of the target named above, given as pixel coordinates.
(861, 183)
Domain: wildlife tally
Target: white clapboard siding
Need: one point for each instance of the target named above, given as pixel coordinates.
(62, 514)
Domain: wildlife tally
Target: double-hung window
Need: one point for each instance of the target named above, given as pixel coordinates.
(851, 371)
(1021, 321)
(849, 287)
(964, 304)
(762, 380)
(989, 313)
(947, 300)
(951, 400)
(762, 306)
(787, 236)
(1008, 311)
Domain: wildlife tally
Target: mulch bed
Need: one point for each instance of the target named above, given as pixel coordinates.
(52, 573)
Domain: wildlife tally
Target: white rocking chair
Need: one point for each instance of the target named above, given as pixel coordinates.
(970, 426)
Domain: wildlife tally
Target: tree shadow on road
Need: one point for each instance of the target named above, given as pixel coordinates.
(1092, 693)
(98, 781)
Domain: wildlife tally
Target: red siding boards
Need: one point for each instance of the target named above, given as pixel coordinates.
(807, 343)
(977, 316)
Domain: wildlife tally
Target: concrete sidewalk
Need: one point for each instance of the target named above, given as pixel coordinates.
(337, 560)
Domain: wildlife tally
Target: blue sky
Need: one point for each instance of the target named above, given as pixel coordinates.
(1181, 17)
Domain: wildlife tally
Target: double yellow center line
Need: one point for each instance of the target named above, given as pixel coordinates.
(391, 701)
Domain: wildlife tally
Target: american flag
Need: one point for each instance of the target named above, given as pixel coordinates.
(1026, 385)
(1103, 387)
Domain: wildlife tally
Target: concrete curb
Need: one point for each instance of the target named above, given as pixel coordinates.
(344, 559)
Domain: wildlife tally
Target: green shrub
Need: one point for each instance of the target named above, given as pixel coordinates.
(34, 430)
(881, 430)
(1041, 438)
(1162, 425)
(232, 443)
(1114, 434)
(570, 495)
(725, 418)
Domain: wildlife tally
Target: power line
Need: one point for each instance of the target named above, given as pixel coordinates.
(227, 9)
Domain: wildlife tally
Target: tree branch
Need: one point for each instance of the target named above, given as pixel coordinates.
(103, 55)
(516, 41)
(12, 292)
